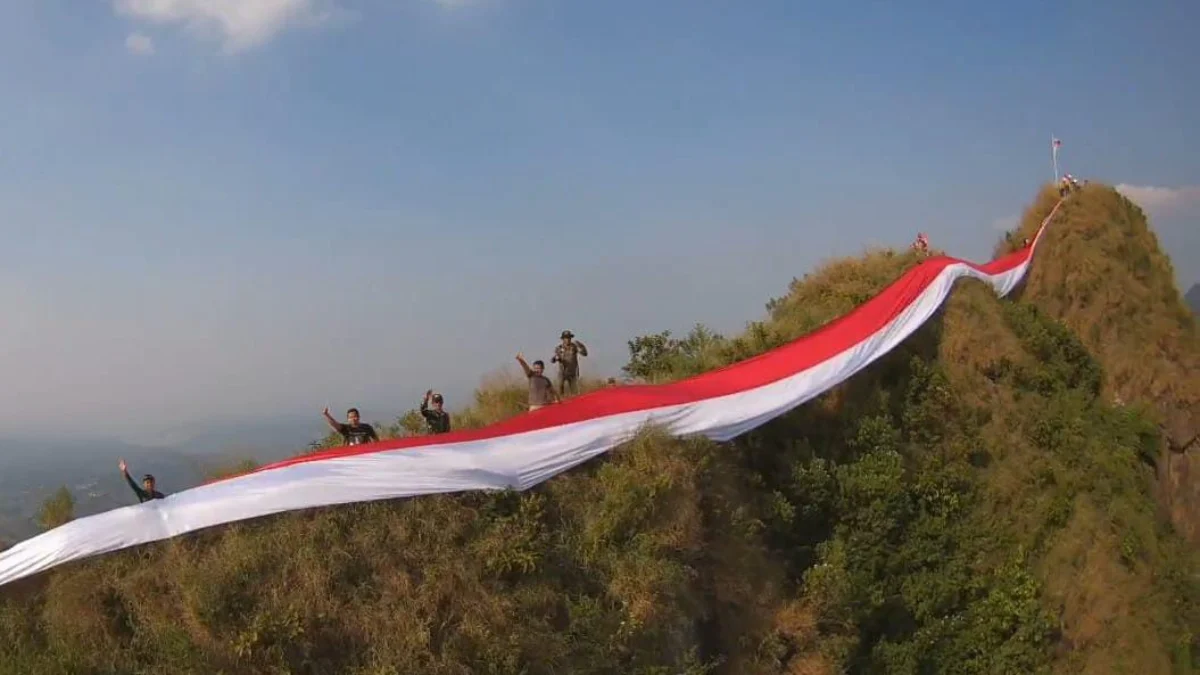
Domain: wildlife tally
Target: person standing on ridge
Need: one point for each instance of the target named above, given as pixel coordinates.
(144, 493)
(541, 390)
(353, 432)
(921, 244)
(1066, 185)
(438, 420)
(566, 355)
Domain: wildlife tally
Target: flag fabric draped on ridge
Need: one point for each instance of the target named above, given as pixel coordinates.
(524, 451)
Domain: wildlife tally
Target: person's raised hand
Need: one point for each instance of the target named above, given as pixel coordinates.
(121, 464)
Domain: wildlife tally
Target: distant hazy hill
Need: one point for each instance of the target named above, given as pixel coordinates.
(32, 469)
(1193, 298)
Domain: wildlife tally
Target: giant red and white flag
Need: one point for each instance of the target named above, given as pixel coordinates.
(524, 451)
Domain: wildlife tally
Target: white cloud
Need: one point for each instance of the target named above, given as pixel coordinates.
(1162, 200)
(239, 24)
(139, 44)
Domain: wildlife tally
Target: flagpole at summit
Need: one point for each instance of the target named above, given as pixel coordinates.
(1054, 143)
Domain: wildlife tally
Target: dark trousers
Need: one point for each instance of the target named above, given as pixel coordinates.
(565, 380)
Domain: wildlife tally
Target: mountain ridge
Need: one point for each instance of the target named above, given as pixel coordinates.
(978, 501)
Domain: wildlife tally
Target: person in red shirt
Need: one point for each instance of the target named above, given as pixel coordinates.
(922, 243)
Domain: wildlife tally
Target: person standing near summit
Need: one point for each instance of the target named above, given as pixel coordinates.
(541, 390)
(438, 420)
(566, 355)
(353, 431)
(144, 493)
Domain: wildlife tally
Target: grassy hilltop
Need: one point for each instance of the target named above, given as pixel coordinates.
(1118, 294)
(1001, 494)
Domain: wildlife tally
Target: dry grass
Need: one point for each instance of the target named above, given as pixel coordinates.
(1113, 285)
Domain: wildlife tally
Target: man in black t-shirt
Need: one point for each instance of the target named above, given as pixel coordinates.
(144, 493)
(353, 432)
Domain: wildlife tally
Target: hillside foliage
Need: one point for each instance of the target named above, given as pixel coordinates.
(977, 501)
(1116, 291)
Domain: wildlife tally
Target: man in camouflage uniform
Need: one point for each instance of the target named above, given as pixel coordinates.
(436, 419)
(566, 355)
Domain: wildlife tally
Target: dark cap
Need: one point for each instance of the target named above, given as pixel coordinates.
(437, 398)
(568, 334)
(148, 477)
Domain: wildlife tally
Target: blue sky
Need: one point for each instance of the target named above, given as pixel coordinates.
(222, 209)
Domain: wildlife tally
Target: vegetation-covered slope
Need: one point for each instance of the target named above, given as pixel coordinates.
(1115, 287)
(975, 502)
